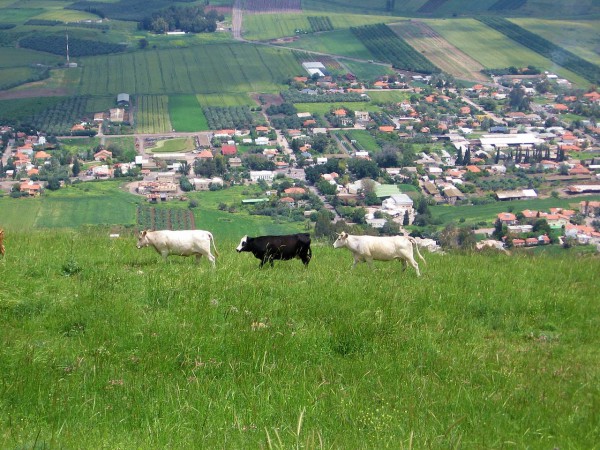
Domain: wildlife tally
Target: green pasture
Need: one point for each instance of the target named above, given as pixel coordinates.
(225, 99)
(389, 96)
(152, 114)
(488, 213)
(581, 9)
(61, 82)
(492, 49)
(338, 42)
(176, 145)
(16, 57)
(186, 113)
(210, 69)
(105, 345)
(578, 36)
(79, 144)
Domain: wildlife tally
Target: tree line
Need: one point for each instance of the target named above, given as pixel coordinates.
(192, 19)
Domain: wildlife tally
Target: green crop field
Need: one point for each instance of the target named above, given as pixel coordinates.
(578, 36)
(152, 114)
(338, 42)
(18, 15)
(225, 99)
(367, 71)
(209, 69)
(186, 113)
(360, 6)
(492, 49)
(104, 345)
(273, 26)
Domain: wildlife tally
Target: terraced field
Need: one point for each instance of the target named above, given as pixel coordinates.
(438, 50)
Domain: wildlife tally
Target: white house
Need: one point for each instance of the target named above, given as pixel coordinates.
(265, 175)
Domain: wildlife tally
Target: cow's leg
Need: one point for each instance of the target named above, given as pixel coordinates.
(404, 265)
(369, 262)
(356, 260)
(198, 257)
(212, 259)
(164, 255)
(415, 265)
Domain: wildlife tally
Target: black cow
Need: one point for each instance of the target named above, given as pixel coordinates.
(270, 248)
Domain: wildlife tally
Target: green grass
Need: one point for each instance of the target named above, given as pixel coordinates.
(492, 49)
(15, 76)
(173, 145)
(366, 71)
(18, 15)
(130, 352)
(210, 69)
(186, 113)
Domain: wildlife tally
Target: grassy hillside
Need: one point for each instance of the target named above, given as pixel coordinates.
(105, 346)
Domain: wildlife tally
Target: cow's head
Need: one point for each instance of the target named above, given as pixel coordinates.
(341, 241)
(142, 239)
(243, 244)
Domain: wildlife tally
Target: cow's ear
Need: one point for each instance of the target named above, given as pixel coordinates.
(144, 233)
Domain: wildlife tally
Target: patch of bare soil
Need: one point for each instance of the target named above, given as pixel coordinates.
(267, 99)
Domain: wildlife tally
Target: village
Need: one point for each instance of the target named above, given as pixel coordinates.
(520, 137)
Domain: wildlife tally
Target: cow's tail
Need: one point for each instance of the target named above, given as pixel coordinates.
(212, 239)
(414, 242)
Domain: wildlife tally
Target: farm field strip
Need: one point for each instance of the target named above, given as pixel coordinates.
(578, 36)
(225, 99)
(203, 69)
(16, 57)
(491, 48)
(438, 50)
(387, 46)
(322, 108)
(152, 114)
(186, 113)
(272, 26)
(449, 7)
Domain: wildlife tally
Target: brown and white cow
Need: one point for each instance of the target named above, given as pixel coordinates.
(380, 248)
(179, 242)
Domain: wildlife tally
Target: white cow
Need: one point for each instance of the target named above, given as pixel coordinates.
(180, 242)
(386, 248)
(493, 244)
(430, 245)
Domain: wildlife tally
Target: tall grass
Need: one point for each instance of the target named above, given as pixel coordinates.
(106, 346)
